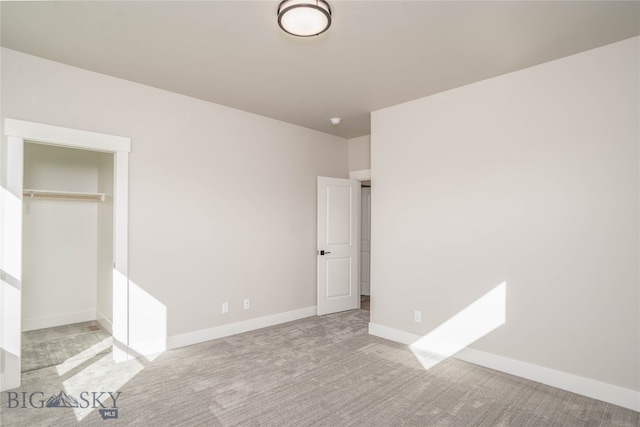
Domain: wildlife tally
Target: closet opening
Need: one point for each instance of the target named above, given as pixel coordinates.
(67, 256)
(12, 212)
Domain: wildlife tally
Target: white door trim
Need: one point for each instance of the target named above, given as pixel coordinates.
(16, 132)
(66, 137)
(361, 175)
(365, 241)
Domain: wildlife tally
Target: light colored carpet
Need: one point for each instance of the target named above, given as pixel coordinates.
(53, 346)
(320, 371)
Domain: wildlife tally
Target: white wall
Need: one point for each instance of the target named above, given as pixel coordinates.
(59, 239)
(529, 178)
(222, 202)
(359, 153)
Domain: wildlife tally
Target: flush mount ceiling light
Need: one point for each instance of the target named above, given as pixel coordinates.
(304, 18)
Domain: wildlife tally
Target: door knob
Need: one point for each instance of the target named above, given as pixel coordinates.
(323, 252)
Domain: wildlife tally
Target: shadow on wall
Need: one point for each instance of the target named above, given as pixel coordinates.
(472, 323)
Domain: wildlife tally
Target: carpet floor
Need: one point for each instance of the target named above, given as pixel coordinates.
(54, 346)
(319, 371)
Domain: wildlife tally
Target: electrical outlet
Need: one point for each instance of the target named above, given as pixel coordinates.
(225, 307)
(247, 304)
(417, 316)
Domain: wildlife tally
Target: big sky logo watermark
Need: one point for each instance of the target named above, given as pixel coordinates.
(106, 402)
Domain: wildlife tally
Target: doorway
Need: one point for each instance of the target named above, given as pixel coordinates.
(365, 245)
(16, 132)
(67, 255)
(364, 176)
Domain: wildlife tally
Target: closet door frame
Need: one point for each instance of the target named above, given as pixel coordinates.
(16, 132)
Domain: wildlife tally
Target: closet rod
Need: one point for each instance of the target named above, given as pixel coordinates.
(64, 195)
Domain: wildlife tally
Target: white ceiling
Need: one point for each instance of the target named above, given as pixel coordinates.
(376, 53)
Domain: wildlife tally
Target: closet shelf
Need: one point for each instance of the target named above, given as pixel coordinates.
(64, 195)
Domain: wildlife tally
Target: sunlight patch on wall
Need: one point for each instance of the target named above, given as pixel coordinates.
(467, 326)
(11, 239)
(10, 288)
(11, 310)
(147, 323)
(120, 324)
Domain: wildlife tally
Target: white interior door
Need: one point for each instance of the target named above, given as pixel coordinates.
(338, 245)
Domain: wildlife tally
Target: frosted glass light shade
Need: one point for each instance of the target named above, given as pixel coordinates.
(304, 18)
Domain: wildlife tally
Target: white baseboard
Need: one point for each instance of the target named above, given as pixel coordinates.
(59, 320)
(104, 322)
(152, 347)
(222, 331)
(564, 380)
(392, 334)
(587, 387)
(148, 349)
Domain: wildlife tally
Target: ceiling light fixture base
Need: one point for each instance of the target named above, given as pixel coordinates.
(304, 18)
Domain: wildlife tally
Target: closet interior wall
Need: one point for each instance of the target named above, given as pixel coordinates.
(67, 244)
